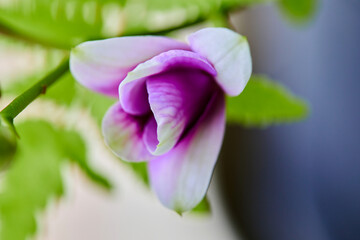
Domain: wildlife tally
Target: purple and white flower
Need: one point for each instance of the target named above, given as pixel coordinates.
(171, 108)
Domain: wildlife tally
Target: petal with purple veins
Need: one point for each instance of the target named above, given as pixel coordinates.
(177, 99)
(132, 92)
(181, 177)
(123, 133)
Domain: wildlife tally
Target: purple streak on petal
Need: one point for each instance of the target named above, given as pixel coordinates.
(135, 98)
(177, 98)
(229, 53)
(101, 65)
(130, 99)
(123, 134)
(181, 177)
(150, 137)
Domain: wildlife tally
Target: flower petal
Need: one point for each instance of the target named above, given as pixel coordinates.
(150, 137)
(181, 177)
(132, 89)
(177, 99)
(229, 53)
(123, 134)
(101, 65)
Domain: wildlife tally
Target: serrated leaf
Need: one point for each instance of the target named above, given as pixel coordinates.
(298, 11)
(146, 16)
(264, 102)
(60, 23)
(35, 176)
(66, 23)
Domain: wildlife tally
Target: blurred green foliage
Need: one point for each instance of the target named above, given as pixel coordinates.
(298, 11)
(140, 169)
(35, 176)
(264, 102)
(65, 23)
(59, 23)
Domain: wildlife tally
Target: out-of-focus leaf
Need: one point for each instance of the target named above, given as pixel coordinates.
(264, 102)
(66, 23)
(35, 176)
(23, 83)
(298, 11)
(7, 146)
(63, 91)
(61, 23)
(75, 150)
(97, 104)
(147, 16)
(140, 169)
(203, 207)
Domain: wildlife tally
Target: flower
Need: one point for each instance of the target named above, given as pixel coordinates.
(171, 108)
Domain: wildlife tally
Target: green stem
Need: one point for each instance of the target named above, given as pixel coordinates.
(23, 100)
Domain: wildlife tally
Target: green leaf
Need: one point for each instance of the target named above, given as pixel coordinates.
(75, 150)
(63, 91)
(298, 11)
(57, 23)
(35, 176)
(149, 16)
(264, 102)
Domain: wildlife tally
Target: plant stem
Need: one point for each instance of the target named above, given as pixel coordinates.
(23, 100)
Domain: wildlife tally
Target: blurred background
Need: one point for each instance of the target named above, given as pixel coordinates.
(300, 181)
(292, 181)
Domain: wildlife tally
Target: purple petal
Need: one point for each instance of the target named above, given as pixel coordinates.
(123, 134)
(150, 137)
(177, 98)
(134, 98)
(132, 90)
(181, 177)
(101, 65)
(229, 53)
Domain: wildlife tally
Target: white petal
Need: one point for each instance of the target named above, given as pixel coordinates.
(229, 53)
